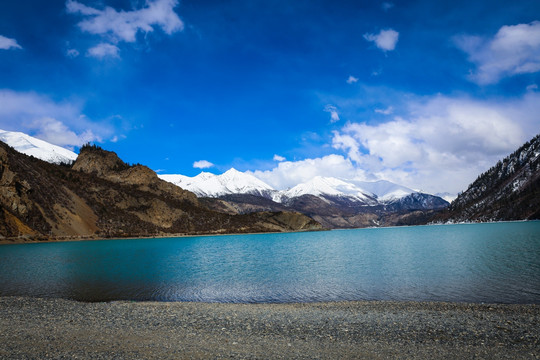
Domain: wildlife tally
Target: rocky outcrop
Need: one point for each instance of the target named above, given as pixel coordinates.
(107, 165)
(102, 196)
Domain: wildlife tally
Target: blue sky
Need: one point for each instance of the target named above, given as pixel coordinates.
(424, 93)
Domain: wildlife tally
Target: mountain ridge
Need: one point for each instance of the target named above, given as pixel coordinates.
(100, 196)
(510, 190)
(375, 193)
(40, 149)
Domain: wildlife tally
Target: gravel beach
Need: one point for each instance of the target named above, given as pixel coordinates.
(33, 328)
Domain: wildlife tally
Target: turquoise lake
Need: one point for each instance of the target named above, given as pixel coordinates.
(497, 262)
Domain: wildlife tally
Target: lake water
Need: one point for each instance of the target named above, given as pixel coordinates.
(473, 263)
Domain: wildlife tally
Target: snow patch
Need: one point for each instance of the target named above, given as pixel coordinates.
(40, 149)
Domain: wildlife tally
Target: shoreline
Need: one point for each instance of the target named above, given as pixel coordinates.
(59, 328)
(15, 241)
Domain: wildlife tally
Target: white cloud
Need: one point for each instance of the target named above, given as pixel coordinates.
(385, 40)
(532, 87)
(334, 116)
(352, 79)
(202, 164)
(389, 110)
(387, 6)
(438, 144)
(103, 50)
(279, 158)
(515, 49)
(290, 173)
(7, 43)
(56, 132)
(124, 25)
(60, 123)
(443, 143)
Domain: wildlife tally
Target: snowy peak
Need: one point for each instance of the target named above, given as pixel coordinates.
(330, 187)
(40, 149)
(231, 182)
(242, 183)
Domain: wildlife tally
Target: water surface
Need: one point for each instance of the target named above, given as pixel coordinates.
(473, 263)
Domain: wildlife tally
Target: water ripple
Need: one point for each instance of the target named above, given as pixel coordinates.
(474, 263)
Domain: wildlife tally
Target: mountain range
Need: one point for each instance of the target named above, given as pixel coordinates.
(334, 202)
(235, 182)
(46, 191)
(101, 196)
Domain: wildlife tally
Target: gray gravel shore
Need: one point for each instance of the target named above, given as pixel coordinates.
(33, 328)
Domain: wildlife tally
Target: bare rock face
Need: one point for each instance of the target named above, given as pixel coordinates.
(102, 196)
(13, 193)
(94, 160)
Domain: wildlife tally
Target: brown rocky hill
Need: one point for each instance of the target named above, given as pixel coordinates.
(102, 196)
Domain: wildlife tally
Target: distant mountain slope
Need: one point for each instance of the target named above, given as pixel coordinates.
(40, 149)
(510, 190)
(101, 196)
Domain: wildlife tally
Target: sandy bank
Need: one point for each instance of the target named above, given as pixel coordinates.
(56, 328)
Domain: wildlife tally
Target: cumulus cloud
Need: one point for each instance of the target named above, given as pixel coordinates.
(334, 116)
(279, 158)
(515, 49)
(290, 173)
(124, 25)
(202, 164)
(7, 43)
(437, 144)
(103, 50)
(60, 123)
(385, 40)
(352, 80)
(56, 132)
(443, 143)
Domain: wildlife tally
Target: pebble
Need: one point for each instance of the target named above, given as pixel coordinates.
(34, 328)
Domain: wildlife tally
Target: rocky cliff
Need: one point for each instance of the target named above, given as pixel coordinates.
(102, 196)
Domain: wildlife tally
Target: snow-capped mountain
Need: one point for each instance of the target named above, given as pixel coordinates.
(369, 193)
(326, 187)
(333, 202)
(231, 182)
(330, 190)
(40, 149)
